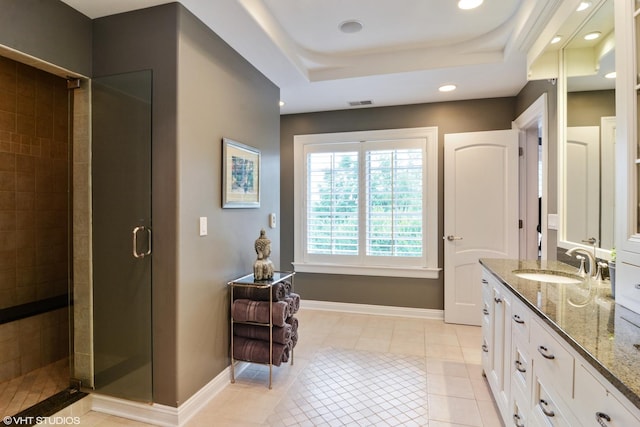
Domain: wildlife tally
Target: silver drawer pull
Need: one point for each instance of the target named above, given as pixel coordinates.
(485, 348)
(485, 311)
(517, 319)
(516, 420)
(601, 417)
(520, 367)
(544, 351)
(484, 282)
(497, 300)
(547, 412)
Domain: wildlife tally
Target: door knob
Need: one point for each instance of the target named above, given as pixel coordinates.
(452, 238)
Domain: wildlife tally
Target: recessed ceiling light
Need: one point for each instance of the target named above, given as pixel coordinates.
(592, 36)
(281, 103)
(584, 5)
(351, 26)
(611, 75)
(556, 39)
(447, 88)
(469, 4)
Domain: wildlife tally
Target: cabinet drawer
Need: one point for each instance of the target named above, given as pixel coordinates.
(594, 403)
(521, 367)
(549, 409)
(553, 362)
(519, 413)
(520, 319)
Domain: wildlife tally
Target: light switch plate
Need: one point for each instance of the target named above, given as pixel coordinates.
(203, 225)
(272, 220)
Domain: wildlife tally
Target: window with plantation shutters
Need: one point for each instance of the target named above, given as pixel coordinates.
(332, 203)
(366, 203)
(394, 207)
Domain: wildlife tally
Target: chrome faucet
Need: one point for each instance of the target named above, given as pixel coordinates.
(589, 255)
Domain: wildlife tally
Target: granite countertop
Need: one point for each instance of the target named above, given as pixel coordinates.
(606, 334)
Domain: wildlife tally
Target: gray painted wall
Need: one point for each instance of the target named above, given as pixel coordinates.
(587, 108)
(203, 91)
(219, 95)
(449, 117)
(48, 30)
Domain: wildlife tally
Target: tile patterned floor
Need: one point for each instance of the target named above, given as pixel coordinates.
(25, 391)
(354, 387)
(352, 370)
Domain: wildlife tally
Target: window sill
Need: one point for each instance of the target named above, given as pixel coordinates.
(357, 270)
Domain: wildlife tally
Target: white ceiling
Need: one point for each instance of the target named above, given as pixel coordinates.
(405, 51)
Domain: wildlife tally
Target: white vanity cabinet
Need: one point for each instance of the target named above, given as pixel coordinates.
(536, 376)
(627, 39)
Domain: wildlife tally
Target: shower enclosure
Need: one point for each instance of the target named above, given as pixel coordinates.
(122, 243)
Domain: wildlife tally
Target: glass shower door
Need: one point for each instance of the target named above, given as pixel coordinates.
(121, 192)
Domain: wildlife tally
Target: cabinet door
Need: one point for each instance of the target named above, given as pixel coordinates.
(487, 324)
(500, 369)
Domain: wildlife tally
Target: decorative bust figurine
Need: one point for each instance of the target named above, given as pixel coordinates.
(263, 267)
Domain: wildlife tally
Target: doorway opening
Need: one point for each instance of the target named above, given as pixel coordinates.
(36, 238)
(533, 144)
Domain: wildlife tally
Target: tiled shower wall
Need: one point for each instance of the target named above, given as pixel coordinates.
(34, 207)
(31, 343)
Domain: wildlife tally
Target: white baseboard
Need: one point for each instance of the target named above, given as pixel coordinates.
(163, 415)
(380, 310)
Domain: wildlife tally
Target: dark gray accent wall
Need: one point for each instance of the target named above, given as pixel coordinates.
(141, 40)
(449, 117)
(48, 30)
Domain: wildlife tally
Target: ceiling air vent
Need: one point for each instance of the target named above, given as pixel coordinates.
(359, 103)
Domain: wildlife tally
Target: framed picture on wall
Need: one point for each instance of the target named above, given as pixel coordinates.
(240, 175)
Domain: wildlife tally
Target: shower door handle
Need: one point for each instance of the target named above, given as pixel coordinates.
(137, 254)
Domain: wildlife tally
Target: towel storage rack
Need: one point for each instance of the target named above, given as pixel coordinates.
(248, 281)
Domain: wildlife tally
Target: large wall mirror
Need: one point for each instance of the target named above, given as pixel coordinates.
(587, 147)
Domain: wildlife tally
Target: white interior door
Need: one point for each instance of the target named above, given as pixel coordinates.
(481, 214)
(582, 196)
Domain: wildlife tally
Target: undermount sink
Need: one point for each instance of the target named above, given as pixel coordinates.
(549, 276)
